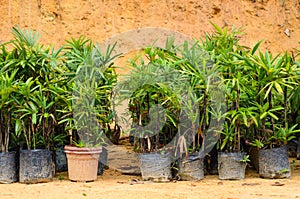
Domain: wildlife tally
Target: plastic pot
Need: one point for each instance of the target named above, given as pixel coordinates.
(253, 153)
(36, 166)
(191, 168)
(231, 166)
(155, 166)
(60, 159)
(8, 167)
(103, 161)
(274, 163)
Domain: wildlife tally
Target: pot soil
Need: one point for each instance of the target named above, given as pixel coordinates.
(36, 166)
(191, 168)
(82, 163)
(155, 166)
(274, 163)
(230, 166)
(8, 167)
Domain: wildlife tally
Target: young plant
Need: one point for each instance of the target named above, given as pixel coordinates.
(153, 101)
(38, 68)
(221, 46)
(274, 81)
(203, 80)
(90, 77)
(8, 88)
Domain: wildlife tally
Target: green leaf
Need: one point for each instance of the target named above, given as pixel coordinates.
(34, 118)
(272, 115)
(263, 115)
(32, 106)
(256, 47)
(18, 127)
(278, 88)
(291, 138)
(218, 28)
(269, 90)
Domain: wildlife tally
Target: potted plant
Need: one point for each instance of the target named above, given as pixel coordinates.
(239, 117)
(8, 158)
(221, 46)
(154, 109)
(232, 159)
(193, 145)
(276, 79)
(294, 116)
(35, 114)
(189, 148)
(90, 105)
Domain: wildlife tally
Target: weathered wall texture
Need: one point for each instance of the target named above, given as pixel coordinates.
(59, 20)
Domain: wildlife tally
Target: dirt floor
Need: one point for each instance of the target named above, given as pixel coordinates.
(114, 185)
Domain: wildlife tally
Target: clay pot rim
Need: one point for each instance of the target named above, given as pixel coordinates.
(71, 149)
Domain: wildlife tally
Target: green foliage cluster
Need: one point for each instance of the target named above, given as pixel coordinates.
(49, 94)
(40, 85)
(259, 103)
(261, 91)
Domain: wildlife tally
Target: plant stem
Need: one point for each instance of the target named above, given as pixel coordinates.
(157, 128)
(270, 107)
(1, 130)
(238, 124)
(285, 106)
(7, 130)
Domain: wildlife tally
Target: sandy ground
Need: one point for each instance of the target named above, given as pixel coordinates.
(112, 184)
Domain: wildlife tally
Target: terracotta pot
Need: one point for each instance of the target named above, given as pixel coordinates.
(82, 163)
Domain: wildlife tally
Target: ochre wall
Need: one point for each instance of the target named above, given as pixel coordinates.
(59, 20)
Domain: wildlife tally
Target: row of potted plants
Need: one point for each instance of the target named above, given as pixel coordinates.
(184, 101)
(41, 87)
